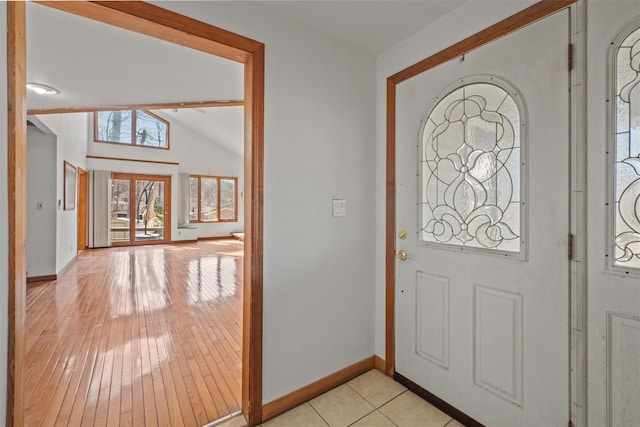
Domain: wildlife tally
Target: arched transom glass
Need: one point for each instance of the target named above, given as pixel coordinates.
(470, 170)
(626, 163)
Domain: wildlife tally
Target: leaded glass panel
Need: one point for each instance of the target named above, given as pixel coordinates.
(626, 161)
(470, 170)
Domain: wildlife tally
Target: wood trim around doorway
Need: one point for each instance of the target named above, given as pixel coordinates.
(17, 195)
(159, 23)
(508, 25)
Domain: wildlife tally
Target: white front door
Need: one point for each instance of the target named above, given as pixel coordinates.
(482, 184)
(613, 250)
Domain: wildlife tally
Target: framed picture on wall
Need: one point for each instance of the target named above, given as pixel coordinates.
(69, 186)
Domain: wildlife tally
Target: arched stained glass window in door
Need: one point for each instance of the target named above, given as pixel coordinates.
(470, 169)
(626, 161)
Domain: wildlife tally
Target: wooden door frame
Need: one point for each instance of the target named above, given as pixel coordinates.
(159, 23)
(133, 177)
(83, 196)
(508, 25)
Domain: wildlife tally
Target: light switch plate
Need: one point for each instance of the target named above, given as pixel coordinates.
(339, 207)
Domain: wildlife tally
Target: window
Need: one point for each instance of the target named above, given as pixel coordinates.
(132, 127)
(626, 148)
(470, 170)
(213, 199)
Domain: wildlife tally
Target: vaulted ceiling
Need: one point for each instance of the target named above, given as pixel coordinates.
(94, 64)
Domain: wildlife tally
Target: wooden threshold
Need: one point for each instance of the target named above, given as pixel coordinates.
(315, 389)
(156, 22)
(508, 25)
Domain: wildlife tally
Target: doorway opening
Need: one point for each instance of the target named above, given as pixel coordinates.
(139, 212)
(434, 286)
(159, 23)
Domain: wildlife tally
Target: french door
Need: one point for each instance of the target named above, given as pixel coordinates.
(482, 218)
(139, 209)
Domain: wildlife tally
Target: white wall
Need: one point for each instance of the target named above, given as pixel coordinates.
(319, 145)
(71, 132)
(4, 232)
(462, 22)
(211, 159)
(41, 188)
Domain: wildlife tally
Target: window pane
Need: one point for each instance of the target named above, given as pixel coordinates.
(626, 161)
(227, 199)
(150, 130)
(193, 199)
(470, 170)
(114, 126)
(119, 221)
(209, 197)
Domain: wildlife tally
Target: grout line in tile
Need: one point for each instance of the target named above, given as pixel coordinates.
(390, 420)
(449, 422)
(319, 414)
(391, 400)
(365, 415)
(365, 399)
(371, 403)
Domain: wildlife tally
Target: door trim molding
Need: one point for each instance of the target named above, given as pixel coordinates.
(508, 25)
(163, 24)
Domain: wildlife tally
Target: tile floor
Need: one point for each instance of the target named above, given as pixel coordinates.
(370, 400)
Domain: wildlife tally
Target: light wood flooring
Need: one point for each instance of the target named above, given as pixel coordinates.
(137, 336)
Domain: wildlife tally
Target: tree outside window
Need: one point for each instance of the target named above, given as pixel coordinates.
(213, 199)
(131, 127)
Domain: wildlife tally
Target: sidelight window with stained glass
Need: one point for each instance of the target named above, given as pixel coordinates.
(626, 149)
(470, 171)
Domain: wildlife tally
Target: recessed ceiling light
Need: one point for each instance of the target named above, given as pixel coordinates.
(41, 89)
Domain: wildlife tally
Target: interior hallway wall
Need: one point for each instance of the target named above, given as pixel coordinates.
(41, 203)
(319, 146)
(71, 132)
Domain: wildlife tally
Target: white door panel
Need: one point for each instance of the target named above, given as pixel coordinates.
(613, 385)
(488, 332)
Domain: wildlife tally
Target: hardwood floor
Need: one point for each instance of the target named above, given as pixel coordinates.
(137, 336)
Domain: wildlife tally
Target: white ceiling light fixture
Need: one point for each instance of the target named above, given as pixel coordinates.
(41, 89)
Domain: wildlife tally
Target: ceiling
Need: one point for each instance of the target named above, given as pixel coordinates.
(95, 64)
(372, 26)
(119, 67)
(224, 125)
